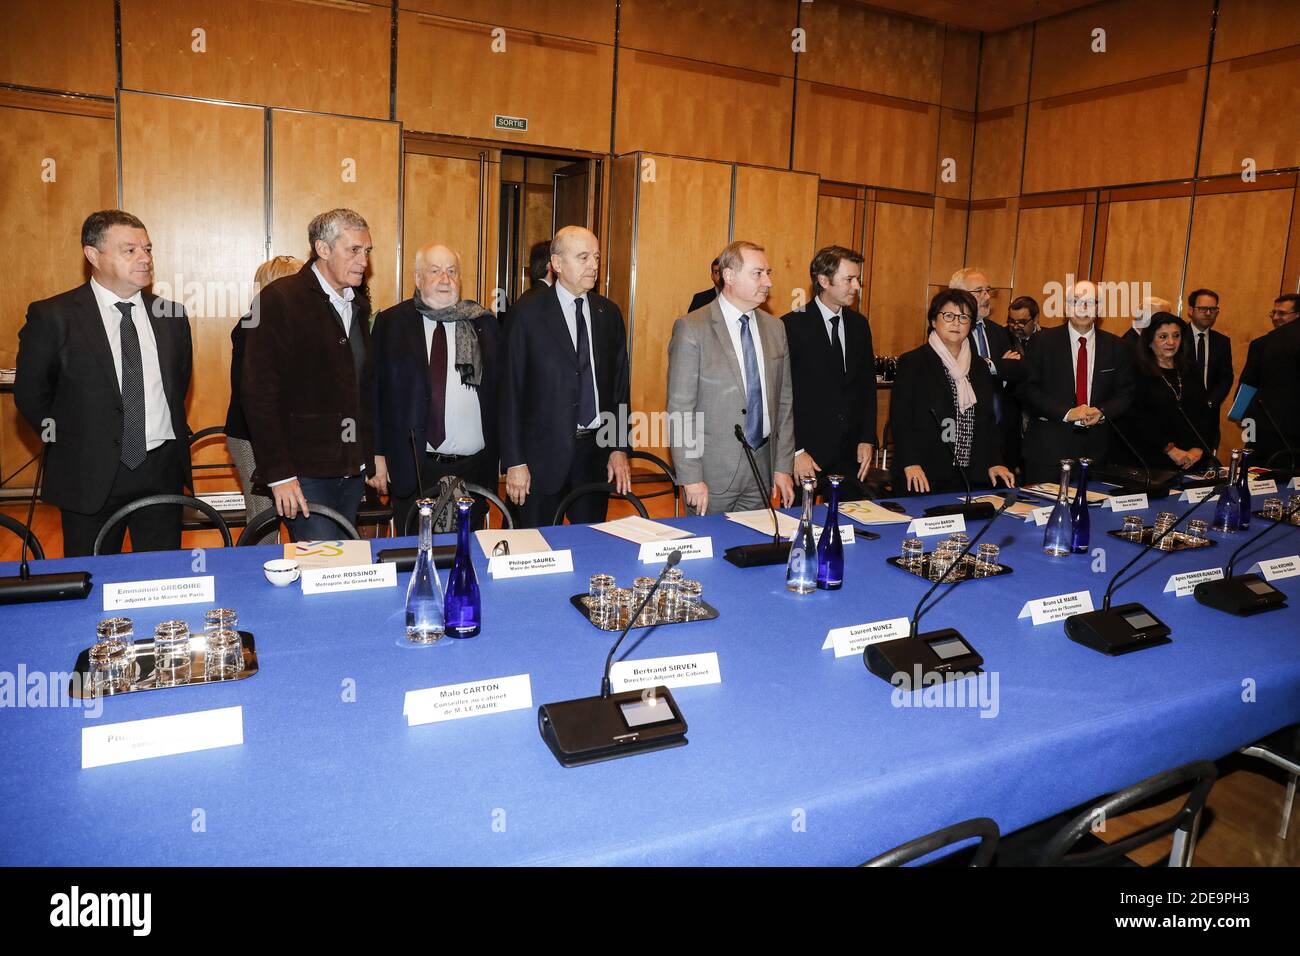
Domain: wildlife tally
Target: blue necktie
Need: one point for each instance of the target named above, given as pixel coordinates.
(982, 347)
(753, 387)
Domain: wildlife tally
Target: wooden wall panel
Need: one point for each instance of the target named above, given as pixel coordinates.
(1047, 250)
(754, 36)
(206, 248)
(1004, 68)
(1143, 38)
(991, 244)
(957, 142)
(961, 69)
(999, 153)
(689, 108)
(858, 137)
(1254, 26)
(273, 52)
(863, 49)
(440, 203)
(449, 81)
(590, 20)
(45, 221)
(899, 268)
(312, 155)
(1253, 111)
(778, 210)
(1146, 242)
(59, 45)
(839, 222)
(948, 243)
(618, 234)
(1140, 132)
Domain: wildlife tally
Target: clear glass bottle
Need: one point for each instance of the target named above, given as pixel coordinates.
(1227, 515)
(1080, 533)
(1243, 486)
(463, 607)
(830, 548)
(801, 566)
(1059, 531)
(424, 610)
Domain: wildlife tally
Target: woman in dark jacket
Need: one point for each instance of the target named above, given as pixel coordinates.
(1169, 411)
(941, 408)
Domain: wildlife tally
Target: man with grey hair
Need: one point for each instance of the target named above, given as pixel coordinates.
(992, 343)
(306, 383)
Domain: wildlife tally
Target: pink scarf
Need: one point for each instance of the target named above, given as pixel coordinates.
(958, 369)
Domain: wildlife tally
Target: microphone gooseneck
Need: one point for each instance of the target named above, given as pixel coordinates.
(762, 486)
(605, 687)
(1284, 521)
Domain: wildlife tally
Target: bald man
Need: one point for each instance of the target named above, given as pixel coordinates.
(1078, 378)
(564, 371)
(435, 387)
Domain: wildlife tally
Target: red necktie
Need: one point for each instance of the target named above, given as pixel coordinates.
(435, 428)
(1081, 374)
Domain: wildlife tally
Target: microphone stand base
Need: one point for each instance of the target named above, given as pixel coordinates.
(1116, 630)
(758, 555)
(595, 729)
(1242, 595)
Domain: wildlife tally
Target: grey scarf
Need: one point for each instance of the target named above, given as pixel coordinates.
(469, 358)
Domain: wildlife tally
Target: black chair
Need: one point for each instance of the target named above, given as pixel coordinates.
(1027, 848)
(669, 476)
(1281, 749)
(202, 435)
(507, 519)
(596, 487)
(185, 501)
(17, 527)
(262, 526)
(981, 827)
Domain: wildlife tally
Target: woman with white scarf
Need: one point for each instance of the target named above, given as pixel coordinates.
(941, 408)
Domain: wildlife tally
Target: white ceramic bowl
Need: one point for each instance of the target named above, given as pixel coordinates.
(281, 572)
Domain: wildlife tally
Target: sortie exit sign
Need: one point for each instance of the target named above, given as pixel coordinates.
(512, 122)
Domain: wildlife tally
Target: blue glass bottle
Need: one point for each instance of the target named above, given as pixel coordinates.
(1080, 533)
(830, 549)
(424, 611)
(1060, 529)
(1227, 515)
(800, 569)
(464, 607)
(1243, 485)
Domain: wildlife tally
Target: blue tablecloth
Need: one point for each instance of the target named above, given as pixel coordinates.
(795, 758)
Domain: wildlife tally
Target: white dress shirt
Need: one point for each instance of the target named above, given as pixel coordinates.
(826, 321)
(342, 301)
(567, 300)
(464, 425)
(157, 413)
(732, 316)
(1091, 338)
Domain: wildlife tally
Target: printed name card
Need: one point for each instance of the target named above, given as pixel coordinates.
(1279, 568)
(1120, 503)
(473, 699)
(942, 524)
(852, 640)
(526, 565)
(846, 533)
(1040, 515)
(1295, 482)
(684, 671)
(200, 589)
(1263, 487)
(357, 577)
(656, 552)
(161, 736)
(1057, 608)
(1197, 495)
(225, 501)
(1183, 584)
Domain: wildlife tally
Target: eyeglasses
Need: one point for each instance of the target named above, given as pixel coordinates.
(1278, 313)
(982, 290)
(1207, 309)
(954, 318)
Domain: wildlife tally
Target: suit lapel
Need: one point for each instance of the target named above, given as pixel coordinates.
(559, 330)
(162, 336)
(771, 366)
(90, 324)
(732, 360)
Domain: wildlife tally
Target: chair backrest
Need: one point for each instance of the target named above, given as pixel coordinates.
(508, 519)
(981, 827)
(34, 548)
(1200, 773)
(202, 435)
(596, 488)
(669, 475)
(184, 501)
(261, 527)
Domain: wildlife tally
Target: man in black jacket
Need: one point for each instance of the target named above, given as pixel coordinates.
(992, 343)
(435, 377)
(102, 374)
(1273, 370)
(1213, 351)
(701, 299)
(306, 379)
(833, 376)
(564, 373)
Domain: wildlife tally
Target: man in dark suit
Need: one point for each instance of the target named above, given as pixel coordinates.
(564, 374)
(832, 376)
(435, 375)
(1022, 326)
(1078, 379)
(701, 299)
(1273, 370)
(992, 343)
(102, 376)
(306, 380)
(1213, 351)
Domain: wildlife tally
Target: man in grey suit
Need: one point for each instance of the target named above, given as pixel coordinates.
(728, 364)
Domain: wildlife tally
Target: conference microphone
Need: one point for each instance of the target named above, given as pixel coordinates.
(1250, 593)
(444, 555)
(945, 652)
(609, 726)
(25, 587)
(1146, 469)
(970, 510)
(1127, 627)
(758, 555)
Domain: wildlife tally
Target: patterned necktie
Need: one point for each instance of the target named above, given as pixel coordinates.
(1200, 357)
(835, 341)
(753, 387)
(586, 387)
(435, 428)
(1081, 374)
(982, 348)
(133, 440)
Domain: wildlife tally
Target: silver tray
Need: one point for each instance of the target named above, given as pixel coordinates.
(966, 575)
(1295, 519)
(707, 613)
(142, 667)
(1180, 540)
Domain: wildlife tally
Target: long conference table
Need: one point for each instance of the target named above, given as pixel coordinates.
(796, 757)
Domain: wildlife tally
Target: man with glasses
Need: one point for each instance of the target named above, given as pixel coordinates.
(1273, 371)
(992, 343)
(1213, 352)
(1078, 378)
(1285, 309)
